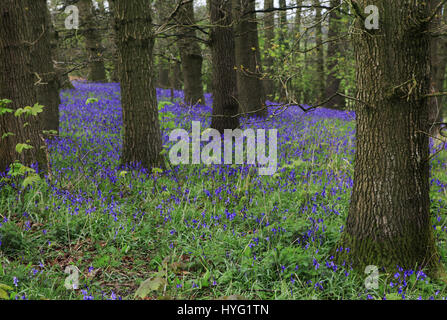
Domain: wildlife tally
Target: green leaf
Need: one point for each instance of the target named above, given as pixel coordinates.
(91, 100)
(22, 146)
(5, 287)
(157, 170)
(4, 102)
(37, 108)
(49, 131)
(4, 295)
(205, 279)
(5, 110)
(18, 169)
(19, 112)
(123, 174)
(149, 285)
(169, 125)
(31, 180)
(3, 291)
(7, 134)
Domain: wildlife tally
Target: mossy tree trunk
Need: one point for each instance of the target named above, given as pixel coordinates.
(17, 85)
(388, 223)
(225, 106)
(251, 94)
(135, 39)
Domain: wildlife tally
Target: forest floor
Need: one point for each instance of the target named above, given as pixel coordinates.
(193, 231)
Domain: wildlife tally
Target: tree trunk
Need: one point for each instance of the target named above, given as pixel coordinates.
(191, 56)
(225, 105)
(60, 69)
(135, 38)
(283, 20)
(17, 84)
(114, 75)
(269, 27)
(388, 223)
(46, 80)
(438, 47)
(251, 93)
(93, 45)
(296, 55)
(333, 54)
(176, 75)
(163, 74)
(442, 64)
(320, 52)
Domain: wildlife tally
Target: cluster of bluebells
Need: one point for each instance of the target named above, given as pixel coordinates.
(90, 144)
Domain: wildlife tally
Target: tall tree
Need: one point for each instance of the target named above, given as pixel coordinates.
(333, 52)
(251, 92)
(17, 85)
(388, 222)
(191, 55)
(296, 47)
(225, 106)
(114, 74)
(283, 23)
(163, 9)
(56, 44)
(93, 42)
(438, 46)
(135, 39)
(46, 80)
(283, 32)
(442, 65)
(269, 34)
(320, 80)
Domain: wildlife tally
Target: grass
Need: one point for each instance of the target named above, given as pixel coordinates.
(196, 231)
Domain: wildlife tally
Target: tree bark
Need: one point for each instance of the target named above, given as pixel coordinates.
(190, 55)
(176, 75)
(225, 105)
(114, 75)
(45, 77)
(320, 83)
(17, 84)
(135, 39)
(438, 47)
(388, 223)
(296, 56)
(269, 33)
(283, 24)
(162, 46)
(93, 42)
(333, 53)
(251, 93)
